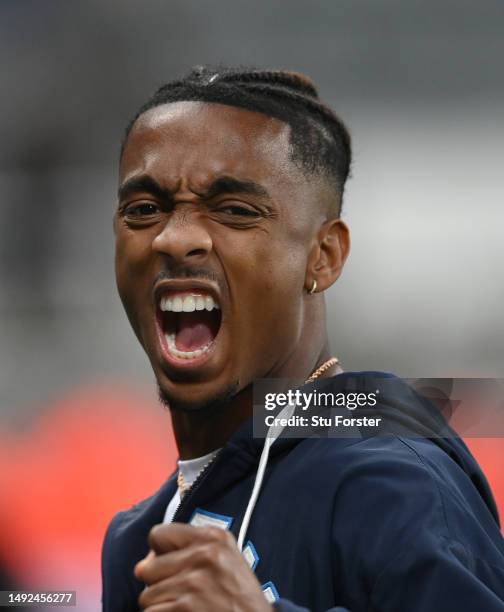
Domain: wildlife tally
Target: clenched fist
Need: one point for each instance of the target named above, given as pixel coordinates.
(197, 569)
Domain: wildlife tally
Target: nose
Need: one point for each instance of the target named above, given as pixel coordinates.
(183, 238)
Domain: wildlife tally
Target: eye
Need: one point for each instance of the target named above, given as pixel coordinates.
(140, 210)
(240, 211)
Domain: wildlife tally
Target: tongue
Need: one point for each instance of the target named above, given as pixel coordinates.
(195, 330)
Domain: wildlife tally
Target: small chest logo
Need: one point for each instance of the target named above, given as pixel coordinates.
(204, 518)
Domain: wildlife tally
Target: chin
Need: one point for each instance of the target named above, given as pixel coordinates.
(191, 400)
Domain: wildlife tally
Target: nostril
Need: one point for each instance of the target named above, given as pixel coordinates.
(196, 253)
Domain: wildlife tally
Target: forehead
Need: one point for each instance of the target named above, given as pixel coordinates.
(199, 140)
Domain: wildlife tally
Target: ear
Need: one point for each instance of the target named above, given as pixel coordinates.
(328, 255)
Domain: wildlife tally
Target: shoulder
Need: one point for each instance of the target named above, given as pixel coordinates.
(374, 488)
(387, 454)
(120, 589)
(394, 476)
(412, 478)
(125, 543)
(129, 528)
(122, 524)
(392, 492)
(124, 520)
(404, 504)
(421, 478)
(122, 548)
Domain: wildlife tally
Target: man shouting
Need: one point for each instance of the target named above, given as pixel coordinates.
(228, 233)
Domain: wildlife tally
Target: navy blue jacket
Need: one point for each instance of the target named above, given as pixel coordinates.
(396, 522)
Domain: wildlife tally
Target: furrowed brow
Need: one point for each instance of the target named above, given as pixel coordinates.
(144, 184)
(228, 184)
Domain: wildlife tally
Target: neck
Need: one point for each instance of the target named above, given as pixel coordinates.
(200, 432)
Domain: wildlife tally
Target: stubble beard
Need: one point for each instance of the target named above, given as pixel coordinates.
(209, 407)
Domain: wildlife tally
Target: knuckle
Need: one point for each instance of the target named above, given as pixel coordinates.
(219, 536)
(194, 582)
(213, 533)
(151, 595)
(219, 557)
(184, 604)
(229, 538)
(155, 534)
(144, 599)
(206, 554)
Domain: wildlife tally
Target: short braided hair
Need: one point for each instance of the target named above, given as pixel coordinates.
(320, 142)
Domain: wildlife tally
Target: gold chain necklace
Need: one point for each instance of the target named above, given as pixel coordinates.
(184, 486)
(323, 368)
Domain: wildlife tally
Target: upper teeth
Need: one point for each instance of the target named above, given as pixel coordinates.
(187, 303)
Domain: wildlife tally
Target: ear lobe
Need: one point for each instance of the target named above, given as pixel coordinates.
(328, 255)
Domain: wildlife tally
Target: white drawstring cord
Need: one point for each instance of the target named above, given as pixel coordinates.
(273, 433)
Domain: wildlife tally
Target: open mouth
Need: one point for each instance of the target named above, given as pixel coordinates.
(189, 322)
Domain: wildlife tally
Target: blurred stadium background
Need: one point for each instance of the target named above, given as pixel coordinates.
(420, 85)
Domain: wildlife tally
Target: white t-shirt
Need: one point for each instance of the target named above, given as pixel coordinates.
(190, 469)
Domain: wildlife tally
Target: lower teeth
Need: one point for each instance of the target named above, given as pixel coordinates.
(170, 340)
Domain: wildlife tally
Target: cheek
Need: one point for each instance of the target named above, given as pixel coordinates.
(279, 268)
(132, 257)
(267, 280)
(133, 249)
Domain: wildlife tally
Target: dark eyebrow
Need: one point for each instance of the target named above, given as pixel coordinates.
(222, 185)
(228, 184)
(146, 184)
